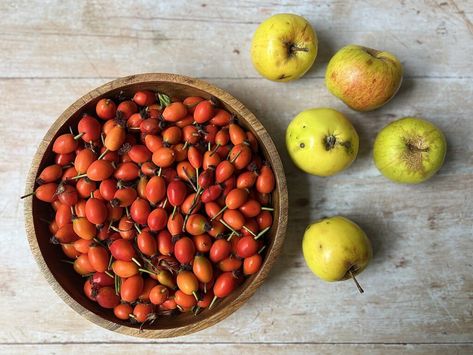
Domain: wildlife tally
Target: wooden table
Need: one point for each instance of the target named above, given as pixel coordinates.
(419, 287)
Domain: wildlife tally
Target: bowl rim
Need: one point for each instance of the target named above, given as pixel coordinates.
(279, 234)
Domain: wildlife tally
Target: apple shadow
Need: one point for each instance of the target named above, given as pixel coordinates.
(325, 52)
(382, 234)
(385, 239)
(450, 156)
(325, 48)
(407, 86)
(299, 203)
(366, 139)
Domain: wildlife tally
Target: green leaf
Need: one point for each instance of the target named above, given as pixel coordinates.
(164, 100)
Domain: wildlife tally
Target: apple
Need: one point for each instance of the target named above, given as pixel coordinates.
(321, 141)
(284, 47)
(363, 78)
(409, 150)
(336, 249)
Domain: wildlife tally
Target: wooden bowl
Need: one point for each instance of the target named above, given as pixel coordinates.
(67, 283)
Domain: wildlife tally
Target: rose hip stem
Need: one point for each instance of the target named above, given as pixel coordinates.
(78, 177)
(173, 212)
(218, 213)
(79, 135)
(215, 149)
(110, 262)
(103, 154)
(136, 262)
(98, 242)
(250, 231)
(262, 232)
(230, 236)
(213, 301)
(226, 225)
(117, 284)
(67, 261)
(195, 296)
(27, 195)
(190, 180)
(194, 201)
(235, 157)
(148, 272)
(185, 220)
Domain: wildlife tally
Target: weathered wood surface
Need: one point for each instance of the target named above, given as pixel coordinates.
(419, 287)
(237, 349)
(212, 38)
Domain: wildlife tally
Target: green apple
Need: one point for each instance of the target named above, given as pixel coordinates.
(409, 150)
(321, 141)
(363, 78)
(336, 249)
(284, 47)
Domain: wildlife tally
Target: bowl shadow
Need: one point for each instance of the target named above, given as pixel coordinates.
(299, 211)
(300, 204)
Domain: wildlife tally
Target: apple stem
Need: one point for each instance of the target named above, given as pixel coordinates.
(294, 48)
(358, 286)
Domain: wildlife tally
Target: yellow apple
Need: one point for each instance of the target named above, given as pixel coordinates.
(409, 150)
(284, 47)
(336, 249)
(363, 78)
(321, 141)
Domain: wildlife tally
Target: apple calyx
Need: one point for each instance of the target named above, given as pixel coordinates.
(413, 154)
(329, 142)
(358, 286)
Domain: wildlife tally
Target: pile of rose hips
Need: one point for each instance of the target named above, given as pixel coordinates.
(163, 206)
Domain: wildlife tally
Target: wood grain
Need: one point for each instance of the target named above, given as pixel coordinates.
(98, 38)
(263, 349)
(419, 288)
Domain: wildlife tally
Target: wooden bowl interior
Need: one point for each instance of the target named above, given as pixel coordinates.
(70, 281)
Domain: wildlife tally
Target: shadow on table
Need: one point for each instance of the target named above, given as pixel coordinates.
(299, 207)
(324, 53)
